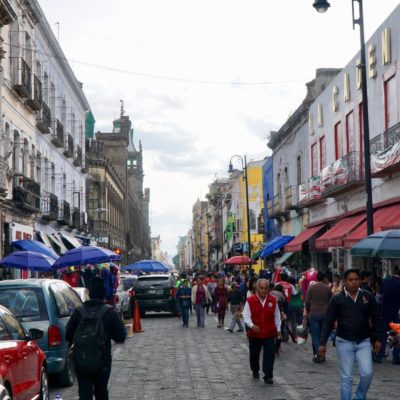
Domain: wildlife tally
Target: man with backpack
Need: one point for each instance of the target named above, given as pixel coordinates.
(89, 332)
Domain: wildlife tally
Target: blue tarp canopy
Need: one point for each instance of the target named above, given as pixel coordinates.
(34, 245)
(275, 244)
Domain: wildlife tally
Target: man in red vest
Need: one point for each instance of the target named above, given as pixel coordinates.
(263, 320)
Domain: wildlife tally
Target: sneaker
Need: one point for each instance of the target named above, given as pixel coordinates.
(256, 375)
(270, 381)
(229, 330)
(240, 330)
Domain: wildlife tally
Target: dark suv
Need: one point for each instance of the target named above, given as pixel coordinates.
(156, 293)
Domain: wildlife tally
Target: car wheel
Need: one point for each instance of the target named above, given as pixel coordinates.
(44, 385)
(67, 376)
(4, 393)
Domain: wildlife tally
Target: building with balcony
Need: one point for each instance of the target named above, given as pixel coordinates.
(336, 148)
(291, 163)
(43, 111)
(60, 136)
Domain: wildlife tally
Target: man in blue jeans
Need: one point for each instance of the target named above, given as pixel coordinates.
(316, 303)
(356, 313)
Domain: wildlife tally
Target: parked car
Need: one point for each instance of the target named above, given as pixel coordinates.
(83, 293)
(46, 304)
(156, 293)
(23, 371)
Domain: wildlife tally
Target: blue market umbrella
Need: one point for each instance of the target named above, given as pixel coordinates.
(146, 266)
(34, 245)
(85, 255)
(28, 260)
(385, 244)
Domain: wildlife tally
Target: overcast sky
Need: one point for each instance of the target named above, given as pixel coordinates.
(201, 80)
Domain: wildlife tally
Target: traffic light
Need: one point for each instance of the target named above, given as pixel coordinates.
(118, 251)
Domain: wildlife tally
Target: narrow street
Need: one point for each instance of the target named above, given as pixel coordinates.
(172, 363)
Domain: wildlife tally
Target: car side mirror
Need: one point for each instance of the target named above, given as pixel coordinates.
(35, 334)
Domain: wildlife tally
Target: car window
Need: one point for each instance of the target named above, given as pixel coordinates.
(59, 301)
(14, 327)
(27, 304)
(4, 334)
(155, 281)
(71, 297)
(128, 283)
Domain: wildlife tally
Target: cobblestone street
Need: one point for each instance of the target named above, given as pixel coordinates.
(170, 362)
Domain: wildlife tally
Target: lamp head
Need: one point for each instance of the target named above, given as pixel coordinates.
(321, 5)
(230, 170)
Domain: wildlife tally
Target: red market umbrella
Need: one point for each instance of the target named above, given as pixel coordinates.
(239, 260)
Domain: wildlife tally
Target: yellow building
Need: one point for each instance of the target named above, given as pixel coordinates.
(256, 205)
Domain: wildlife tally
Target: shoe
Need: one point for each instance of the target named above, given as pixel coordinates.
(219, 326)
(377, 360)
(240, 330)
(318, 359)
(229, 330)
(270, 381)
(396, 362)
(256, 375)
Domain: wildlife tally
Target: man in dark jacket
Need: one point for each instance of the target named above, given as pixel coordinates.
(356, 313)
(95, 383)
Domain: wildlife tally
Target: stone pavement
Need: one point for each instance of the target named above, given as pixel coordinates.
(173, 363)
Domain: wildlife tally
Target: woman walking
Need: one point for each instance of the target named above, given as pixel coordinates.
(200, 298)
(184, 295)
(221, 301)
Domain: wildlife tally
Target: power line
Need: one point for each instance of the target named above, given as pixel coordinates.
(159, 77)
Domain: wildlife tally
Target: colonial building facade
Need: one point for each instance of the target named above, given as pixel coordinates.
(42, 117)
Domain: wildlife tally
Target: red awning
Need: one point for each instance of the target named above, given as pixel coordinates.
(383, 217)
(334, 237)
(297, 243)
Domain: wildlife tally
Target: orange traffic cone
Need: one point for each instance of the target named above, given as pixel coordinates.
(137, 326)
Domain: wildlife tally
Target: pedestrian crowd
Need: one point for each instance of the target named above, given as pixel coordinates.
(353, 313)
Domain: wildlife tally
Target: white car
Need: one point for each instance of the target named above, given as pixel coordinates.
(82, 292)
(122, 300)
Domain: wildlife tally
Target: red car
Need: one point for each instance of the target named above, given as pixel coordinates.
(23, 367)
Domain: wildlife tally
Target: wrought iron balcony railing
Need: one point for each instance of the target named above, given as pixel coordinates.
(385, 152)
(343, 175)
(292, 198)
(64, 212)
(22, 78)
(276, 207)
(36, 101)
(49, 206)
(43, 121)
(26, 193)
(69, 152)
(310, 192)
(78, 157)
(58, 139)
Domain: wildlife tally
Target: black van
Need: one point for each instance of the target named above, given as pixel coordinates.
(156, 293)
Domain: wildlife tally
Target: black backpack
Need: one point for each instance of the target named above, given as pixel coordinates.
(90, 339)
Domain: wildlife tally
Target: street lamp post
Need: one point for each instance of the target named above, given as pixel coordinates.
(245, 178)
(321, 6)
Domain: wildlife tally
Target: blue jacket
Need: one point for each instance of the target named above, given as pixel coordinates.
(182, 291)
